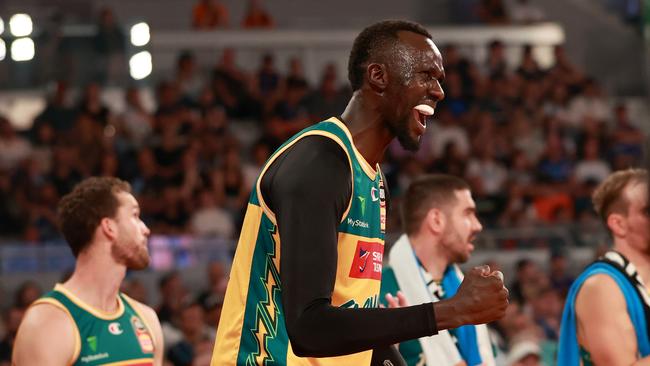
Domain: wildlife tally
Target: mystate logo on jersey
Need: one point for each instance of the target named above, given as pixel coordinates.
(367, 261)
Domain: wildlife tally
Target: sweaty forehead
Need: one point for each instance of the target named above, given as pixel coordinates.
(419, 44)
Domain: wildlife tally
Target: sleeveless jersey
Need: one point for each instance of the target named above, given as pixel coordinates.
(122, 338)
(252, 329)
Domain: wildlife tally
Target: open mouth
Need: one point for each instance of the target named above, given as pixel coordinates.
(421, 113)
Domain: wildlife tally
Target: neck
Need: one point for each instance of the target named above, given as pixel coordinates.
(429, 253)
(96, 280)
(368, 130)
(640, 260)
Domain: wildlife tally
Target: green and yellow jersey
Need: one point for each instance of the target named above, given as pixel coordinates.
(252, 328)
(122, 338)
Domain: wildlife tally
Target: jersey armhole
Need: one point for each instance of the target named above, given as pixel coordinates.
(77, 338)
(135, 306)
(267, 210)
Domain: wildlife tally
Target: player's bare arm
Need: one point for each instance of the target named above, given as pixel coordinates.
(46, 336)
(604, 326)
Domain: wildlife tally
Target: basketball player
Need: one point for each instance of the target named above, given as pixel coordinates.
(605, 315)
(305, 279)
(440, 223)
(86, 320)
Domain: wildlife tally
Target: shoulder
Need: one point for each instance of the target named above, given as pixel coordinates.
(34, 342)
(597, 288)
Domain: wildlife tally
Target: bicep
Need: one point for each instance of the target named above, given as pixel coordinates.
(604, 326)
(35, 345)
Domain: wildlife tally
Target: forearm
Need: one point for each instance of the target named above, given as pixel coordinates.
(324, 330)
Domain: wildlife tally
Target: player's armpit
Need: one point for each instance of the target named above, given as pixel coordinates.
(46, 336)
(604, 326)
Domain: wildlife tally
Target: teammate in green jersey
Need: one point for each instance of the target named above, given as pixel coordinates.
(86, 320)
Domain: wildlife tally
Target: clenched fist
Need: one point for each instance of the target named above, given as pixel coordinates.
(481, 298)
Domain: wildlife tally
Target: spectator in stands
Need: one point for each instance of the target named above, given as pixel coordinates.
(447, 130)
(260, 152)
(496, 65)
(172, 297)
(58, 112)
(110, 46)
(560, 279)
(92, 105)
(330, 98)
(528, 68)
(210, 219)
(523, 12)
(296, 71)
(187, 80)
(136, 121)
(210, 14)
(256, 16)
(627, 139)
(493, 12)
(89, 137)
(211, 299)
(12, 318)
(26, 294)
(14, 149)
(195, 346)
(590, 102)
(235, 90)
(289, 114)
(268, 78)
(591, 167)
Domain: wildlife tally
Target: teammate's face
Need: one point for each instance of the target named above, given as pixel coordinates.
(130, 247)
(638, 221)
(415, 72)
(461, 227)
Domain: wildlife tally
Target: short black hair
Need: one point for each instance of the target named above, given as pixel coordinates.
(372, 41)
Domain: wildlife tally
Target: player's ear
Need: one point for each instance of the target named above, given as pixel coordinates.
(617, 224)
(377, 76)
(108, 227)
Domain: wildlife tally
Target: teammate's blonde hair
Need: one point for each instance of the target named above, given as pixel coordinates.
(608, 197)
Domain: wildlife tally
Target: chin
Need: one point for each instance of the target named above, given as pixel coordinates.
(409, 143)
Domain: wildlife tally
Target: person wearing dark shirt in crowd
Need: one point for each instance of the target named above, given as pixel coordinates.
(321, 202)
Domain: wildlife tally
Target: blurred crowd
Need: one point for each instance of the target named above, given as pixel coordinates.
(532, 142)
(189, 314)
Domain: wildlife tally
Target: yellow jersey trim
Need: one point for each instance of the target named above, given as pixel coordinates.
(135, 305)
(330, 135)
(77, 336)
(130, 362)
(227, 341)
(95, 312)
(367, 168)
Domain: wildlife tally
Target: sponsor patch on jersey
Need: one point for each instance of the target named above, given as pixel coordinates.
(115, 328)
(142, 334)
(367, 262)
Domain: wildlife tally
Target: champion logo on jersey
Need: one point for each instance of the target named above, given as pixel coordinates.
(367, 262)
(115, 328)
(373, 194)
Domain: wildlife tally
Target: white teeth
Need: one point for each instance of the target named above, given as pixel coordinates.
(427, 110)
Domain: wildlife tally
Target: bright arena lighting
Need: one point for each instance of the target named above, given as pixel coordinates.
(3, 50)
(22, 49)
(20, 25)
(140, 34)
(2, 25)
(140, 65)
